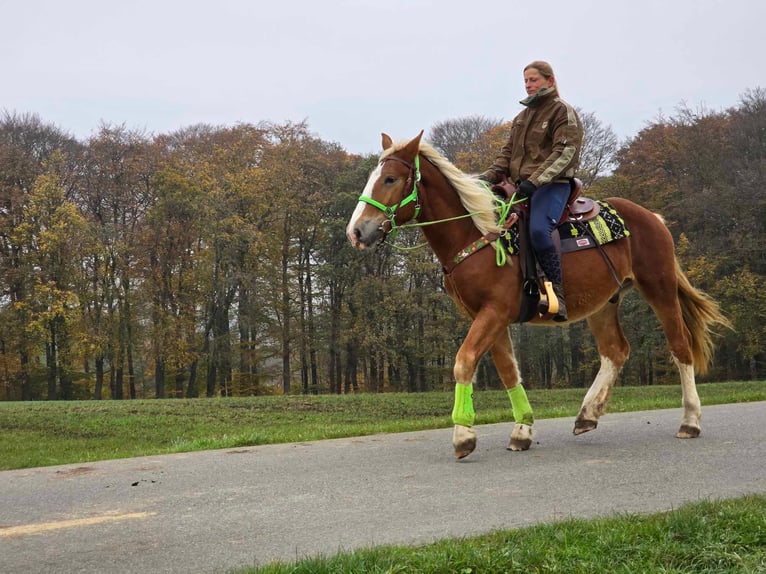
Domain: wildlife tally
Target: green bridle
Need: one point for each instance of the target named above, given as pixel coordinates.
(390, 210)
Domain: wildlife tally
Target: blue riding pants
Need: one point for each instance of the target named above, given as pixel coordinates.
(545, 210)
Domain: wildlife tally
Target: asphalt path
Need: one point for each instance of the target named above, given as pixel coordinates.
(218, 510)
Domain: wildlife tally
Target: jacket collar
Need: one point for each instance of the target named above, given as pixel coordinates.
(540, 95)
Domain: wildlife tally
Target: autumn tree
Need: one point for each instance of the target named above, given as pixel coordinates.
(52, 231)
(461, 135)
(599, 148)
(171, 245)
(214, 260)
(339, 271)
(26, 145)
(114, 192)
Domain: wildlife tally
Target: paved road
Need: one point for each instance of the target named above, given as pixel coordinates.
(217, 510)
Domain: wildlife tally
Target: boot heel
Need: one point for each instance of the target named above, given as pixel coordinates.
(560, 316)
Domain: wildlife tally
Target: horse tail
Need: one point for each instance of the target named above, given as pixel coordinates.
(701, 313)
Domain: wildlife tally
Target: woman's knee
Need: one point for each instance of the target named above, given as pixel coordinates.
(540, 238)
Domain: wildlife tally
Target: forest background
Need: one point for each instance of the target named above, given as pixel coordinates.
(213, 261)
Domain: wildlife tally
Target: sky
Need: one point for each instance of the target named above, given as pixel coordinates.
(355, 68)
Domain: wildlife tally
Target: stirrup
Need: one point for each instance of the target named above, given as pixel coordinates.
(553, 300)
(548, 305)
(551, 306)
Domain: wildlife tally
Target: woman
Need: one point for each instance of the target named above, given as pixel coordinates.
(541, 156)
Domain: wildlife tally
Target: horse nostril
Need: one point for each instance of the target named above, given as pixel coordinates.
(354, 235)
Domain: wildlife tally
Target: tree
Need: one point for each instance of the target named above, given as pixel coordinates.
(484, 150)
(453, 137)
(599, 148)
(26, 144)
(52, 230)
(114, 191)
(339, 267)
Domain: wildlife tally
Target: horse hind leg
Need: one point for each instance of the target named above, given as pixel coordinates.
(614, 350)
(690, 425)
(664, 301)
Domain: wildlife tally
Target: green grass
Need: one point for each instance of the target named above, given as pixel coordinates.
(48, 433)
(707, 537)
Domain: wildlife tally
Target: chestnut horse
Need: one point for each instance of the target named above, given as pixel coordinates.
(413, 181)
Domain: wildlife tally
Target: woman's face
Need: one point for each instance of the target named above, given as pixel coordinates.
(534, 81)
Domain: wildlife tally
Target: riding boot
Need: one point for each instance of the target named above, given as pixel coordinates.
(561, 315)
(550, 262)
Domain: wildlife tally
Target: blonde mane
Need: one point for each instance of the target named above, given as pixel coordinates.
(474, 195)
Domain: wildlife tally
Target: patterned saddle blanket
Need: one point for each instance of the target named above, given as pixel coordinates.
(606, 227)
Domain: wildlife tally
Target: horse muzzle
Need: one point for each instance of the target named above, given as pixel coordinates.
(367, 233)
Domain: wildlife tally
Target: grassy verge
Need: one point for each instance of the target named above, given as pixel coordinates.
(708, 537)
(48, 433)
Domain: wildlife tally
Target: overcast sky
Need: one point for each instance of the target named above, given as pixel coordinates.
(355, 68)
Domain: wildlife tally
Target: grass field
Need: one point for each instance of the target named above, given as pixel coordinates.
(48, 433)
(714, 537)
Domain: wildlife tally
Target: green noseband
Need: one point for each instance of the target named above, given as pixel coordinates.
(390, 210)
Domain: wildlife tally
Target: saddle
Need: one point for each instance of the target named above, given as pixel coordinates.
(577, 209)
(536, 289)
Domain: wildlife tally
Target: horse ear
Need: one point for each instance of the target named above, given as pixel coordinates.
(413, 147)
(387, 141)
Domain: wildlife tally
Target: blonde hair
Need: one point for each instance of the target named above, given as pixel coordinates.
(545, 69)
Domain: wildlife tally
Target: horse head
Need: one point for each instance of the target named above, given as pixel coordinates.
(390, 197)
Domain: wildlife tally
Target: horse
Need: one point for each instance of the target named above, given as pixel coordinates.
(413, 181)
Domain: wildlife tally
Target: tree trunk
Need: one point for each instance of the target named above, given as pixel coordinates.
(191, 390)
(126, 318)
(212, 372)
(179, 379)
(50, 361)
(159, 376)
(313, 361)
(64, 370)
(99, 378)
(285, 307)
(26, 387)
(119, 383)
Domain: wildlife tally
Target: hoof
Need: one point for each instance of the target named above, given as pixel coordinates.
(583, 426)
(463, 440)
(688, 431)
(521, 438)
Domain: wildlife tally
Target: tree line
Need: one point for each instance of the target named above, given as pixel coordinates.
(213, 260)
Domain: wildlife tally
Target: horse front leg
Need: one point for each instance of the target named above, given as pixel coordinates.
(505, 362)
(483, 332)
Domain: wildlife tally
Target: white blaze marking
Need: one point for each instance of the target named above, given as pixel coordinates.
(367, 192)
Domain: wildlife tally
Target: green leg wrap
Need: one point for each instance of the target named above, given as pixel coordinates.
(522, 411)
(462, 412)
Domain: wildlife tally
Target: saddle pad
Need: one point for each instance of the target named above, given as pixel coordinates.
(606, 227)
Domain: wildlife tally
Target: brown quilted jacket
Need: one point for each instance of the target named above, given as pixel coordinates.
(544, 143)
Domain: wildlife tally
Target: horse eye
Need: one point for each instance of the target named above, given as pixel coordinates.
(389, 180)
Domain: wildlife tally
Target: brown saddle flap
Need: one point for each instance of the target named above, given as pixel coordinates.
(581, 209)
